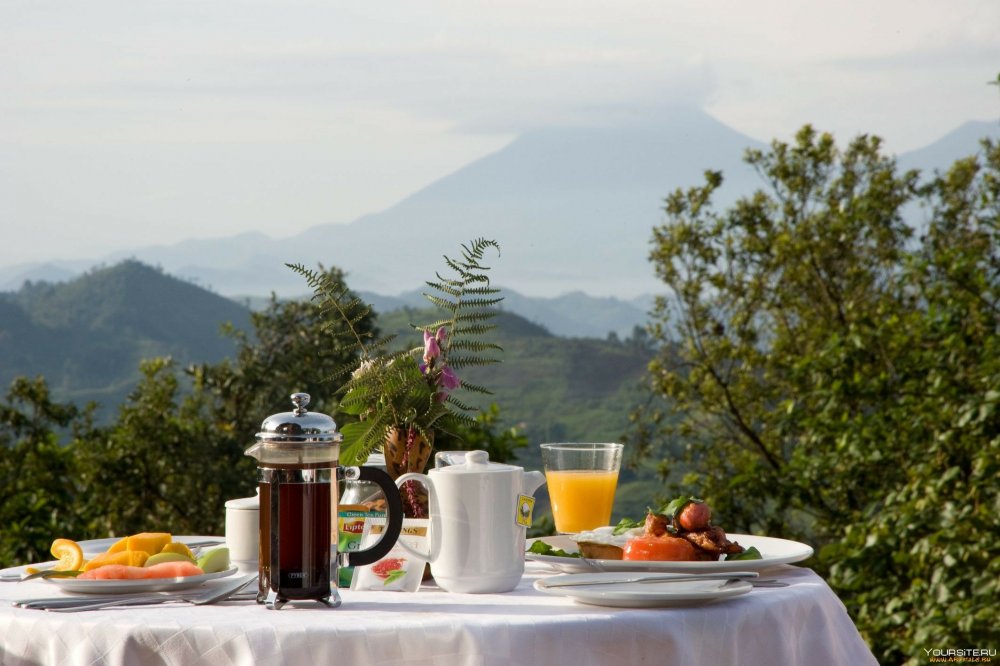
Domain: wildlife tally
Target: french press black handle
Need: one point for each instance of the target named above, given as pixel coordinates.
(393, 523)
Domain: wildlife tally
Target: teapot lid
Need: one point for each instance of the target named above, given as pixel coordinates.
(469, 462)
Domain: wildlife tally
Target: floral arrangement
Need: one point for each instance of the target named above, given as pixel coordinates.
(402, 397)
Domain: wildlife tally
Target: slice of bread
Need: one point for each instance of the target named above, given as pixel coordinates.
(599, 551)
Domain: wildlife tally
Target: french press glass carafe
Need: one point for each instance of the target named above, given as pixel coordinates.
(297, 469)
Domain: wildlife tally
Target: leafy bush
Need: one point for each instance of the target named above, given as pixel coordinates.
(837, 377)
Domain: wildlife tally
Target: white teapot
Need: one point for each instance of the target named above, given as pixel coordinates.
(479, 514)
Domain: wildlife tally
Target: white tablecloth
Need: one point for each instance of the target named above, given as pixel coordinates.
(804, 623)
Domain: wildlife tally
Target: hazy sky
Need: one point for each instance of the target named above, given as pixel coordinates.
(132, 122)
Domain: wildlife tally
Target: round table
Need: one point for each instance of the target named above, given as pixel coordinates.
(803, 623)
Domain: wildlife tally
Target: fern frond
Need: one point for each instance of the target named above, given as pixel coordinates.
(476, 315)
(480, 303)
(476, 346)
(476, 388)
(443, 303)
(450, 289)
(474, 329)
(459, 362)
(452, 400)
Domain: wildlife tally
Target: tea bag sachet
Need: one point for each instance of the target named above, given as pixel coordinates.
(399, 570)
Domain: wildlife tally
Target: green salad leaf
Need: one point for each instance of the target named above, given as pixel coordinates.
(673, 508)
(539, 547)
(750, 553)
(626, 524)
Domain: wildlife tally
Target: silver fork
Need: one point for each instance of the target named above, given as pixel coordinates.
(214, 594)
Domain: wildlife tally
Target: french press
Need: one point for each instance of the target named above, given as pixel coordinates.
(297, 456)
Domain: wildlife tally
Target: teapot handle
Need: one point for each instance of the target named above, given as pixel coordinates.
(532, 482)
(425, 481)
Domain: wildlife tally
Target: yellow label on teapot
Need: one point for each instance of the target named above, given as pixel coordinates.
(525, 506)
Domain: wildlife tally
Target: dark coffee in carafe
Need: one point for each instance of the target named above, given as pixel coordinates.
(303, 564)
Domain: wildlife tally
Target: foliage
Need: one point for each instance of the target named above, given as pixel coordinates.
(39, 489)
(392, 388)
(485, 434)
(836, 379)
(157, 468)
(174, 453)
(184, 451)
(291, 349)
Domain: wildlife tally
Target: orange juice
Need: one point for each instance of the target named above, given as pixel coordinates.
(581, 499)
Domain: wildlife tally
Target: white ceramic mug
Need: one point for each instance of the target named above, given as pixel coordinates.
(479, 514)
(242, 529)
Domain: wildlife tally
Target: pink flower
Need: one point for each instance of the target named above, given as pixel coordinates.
(449, 379)
(441, 335)
(431, 348)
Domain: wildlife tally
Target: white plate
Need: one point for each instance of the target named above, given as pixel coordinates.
(94, 547)
(643, 595)
(773, 552)
(144, 585)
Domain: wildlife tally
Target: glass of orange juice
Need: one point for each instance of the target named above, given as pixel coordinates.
(581, 479)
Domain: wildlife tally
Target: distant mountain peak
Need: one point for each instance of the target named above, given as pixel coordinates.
(573, 209)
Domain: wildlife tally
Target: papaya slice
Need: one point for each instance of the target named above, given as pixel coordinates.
(149, 542)
(131, 558)
(119, 546)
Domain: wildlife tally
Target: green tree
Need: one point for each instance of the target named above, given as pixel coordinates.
(836, 379)
(293, 348)
(39, 488)
(159, 467)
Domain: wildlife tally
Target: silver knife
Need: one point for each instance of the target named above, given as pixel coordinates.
(662, 578)
(31, 603)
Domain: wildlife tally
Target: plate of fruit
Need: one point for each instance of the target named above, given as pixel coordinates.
(679, 536)
(145, 562)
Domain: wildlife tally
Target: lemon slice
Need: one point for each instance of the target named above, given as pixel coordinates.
(68, 553)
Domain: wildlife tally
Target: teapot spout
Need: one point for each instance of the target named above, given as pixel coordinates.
(532, 482)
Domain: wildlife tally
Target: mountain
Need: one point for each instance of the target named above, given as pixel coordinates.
(87, 336)
(960, 142)
(573, 210)
(573, 315)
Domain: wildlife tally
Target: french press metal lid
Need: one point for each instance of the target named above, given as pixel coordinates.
(297, 437)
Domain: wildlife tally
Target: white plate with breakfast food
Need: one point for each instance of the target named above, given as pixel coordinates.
(773, 552)
(593, 590)
(138, 585)
(679, 536)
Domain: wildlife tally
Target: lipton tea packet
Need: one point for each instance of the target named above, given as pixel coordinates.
(398, 570)
(351, 519)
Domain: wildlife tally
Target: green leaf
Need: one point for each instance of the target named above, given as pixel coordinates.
(540, 547)
(750, 553)
(626, 524)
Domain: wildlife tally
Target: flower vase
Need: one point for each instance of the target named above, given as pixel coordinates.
(406, 450)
